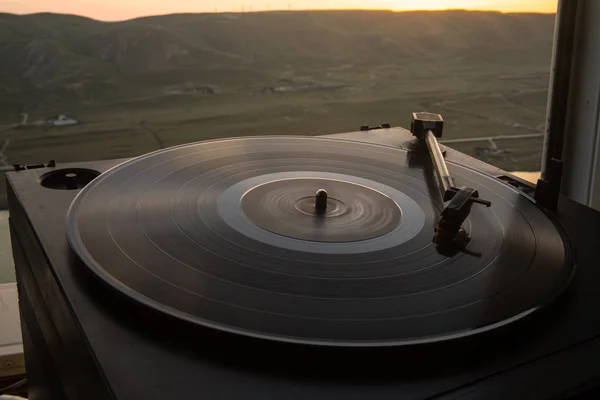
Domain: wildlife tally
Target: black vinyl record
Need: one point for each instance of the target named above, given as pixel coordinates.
(223, 234)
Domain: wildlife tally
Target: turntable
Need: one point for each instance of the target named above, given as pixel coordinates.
(303, 267)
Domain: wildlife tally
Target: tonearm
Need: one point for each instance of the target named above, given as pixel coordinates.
(427, 127)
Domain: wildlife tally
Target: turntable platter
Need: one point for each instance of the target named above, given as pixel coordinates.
(224, 234)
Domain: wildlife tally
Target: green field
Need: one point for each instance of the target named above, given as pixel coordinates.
(140, 85)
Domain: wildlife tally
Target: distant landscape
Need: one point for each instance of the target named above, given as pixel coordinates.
(72, 88)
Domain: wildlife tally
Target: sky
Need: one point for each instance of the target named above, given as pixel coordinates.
(112, 10)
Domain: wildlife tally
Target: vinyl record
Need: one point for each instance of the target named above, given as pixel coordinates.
(224, 234)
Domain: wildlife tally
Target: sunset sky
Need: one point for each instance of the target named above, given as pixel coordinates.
(125, 9)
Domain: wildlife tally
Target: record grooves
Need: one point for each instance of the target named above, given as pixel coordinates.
(222, 234)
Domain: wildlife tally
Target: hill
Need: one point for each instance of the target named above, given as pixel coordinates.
(50, 50)
(142, 84)
(73, 56)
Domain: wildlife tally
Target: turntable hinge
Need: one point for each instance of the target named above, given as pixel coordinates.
(23, 167)
(372, 128)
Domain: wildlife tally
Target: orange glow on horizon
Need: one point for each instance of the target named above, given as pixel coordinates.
(543, 6)
(111, 10)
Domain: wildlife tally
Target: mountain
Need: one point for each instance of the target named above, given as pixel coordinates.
(53, 52)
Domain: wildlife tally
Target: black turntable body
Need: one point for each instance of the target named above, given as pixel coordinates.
(301, 268)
